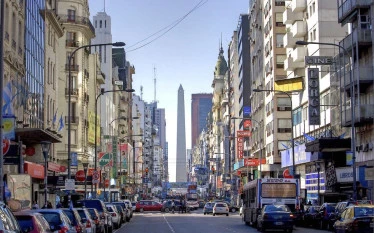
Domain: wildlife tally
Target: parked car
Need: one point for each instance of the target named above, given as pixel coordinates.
(326, 216)
(201, 204)
(87, 220)
(148, 205)
(116, 216)
(275, 217)
(122, 210)
(340, 206)
(220, 208)
(32, 222)
(309, 218)
(75, 220)
(127, 210)
(208, 208)
(129, 206)
(356, 218)
(95, 216)
(58, 221)
(104, 214)
(133, 206)
(166, 206)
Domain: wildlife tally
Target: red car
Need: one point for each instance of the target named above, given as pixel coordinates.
(146, 205)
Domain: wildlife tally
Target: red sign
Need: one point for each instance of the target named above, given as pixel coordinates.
(30, 151)
(243, 133)
(34, 170)
(54, 167)
(79, 176)
(247, 123)
(239, 147)
(62, 169)
(6, 146)
(253, 162)
(287, 174)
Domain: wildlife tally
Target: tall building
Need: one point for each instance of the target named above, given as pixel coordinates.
(200, 107)
(181, 171)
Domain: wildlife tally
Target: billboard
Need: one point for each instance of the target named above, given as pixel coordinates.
(19, 188)
(91, 128)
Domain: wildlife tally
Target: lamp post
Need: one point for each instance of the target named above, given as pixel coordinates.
(116, 44)
(85, 167)
(104, 177)
(95, 145)
(353, 130)
(46, 145)
(292, 139)
(318, 167)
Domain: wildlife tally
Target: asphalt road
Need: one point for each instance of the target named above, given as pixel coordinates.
(194, 222)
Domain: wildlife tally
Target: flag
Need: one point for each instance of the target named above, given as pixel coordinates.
(54, 118)
(309, 138)
(61, 122)
(342, 136)
(285, 146)
(7, 98)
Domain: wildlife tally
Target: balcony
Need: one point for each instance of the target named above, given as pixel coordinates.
(364, 113)
(363, 75)
(359, 37)
(291, 65)
(73, 91)
(73, 68)
(298, 29)
(72, 43)
(298, 5)
(84, 21)
(349, 7)
(73, 119)
(289, 40)
(290, 17)
(298, 54)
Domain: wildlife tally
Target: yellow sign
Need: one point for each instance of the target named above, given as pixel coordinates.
(289, 85)
(91, 128)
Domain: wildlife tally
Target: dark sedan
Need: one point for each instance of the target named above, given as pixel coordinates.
(166, 206)
(275, 217)
(356, 219)
(309, 217)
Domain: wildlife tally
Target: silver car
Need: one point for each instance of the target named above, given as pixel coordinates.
(220, 208)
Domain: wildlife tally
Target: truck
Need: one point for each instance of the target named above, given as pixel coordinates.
(266, 191)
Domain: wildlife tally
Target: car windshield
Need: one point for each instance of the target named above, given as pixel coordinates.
(94, 204)
(110, 209)
(25, 222)
(71, 216)
(221, 205)
(92, 212)
(52, 218)
(274, 208)
(82, 213)
(364, 211)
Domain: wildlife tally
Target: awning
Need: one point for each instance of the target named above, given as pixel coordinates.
(36, 135)
(34, 170)
(328, 145)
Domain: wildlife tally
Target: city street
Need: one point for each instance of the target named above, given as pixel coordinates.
(196, 222)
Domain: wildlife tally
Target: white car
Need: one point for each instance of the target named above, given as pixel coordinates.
(116, 217)
(220, 208)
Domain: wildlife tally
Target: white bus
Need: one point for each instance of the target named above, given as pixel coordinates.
(260, 192)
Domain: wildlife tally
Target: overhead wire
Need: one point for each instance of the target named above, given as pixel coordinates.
(169, 27)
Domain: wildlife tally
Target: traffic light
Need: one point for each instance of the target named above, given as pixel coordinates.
(146, 172)
(213, 170)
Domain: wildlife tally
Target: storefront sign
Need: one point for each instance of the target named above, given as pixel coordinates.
(54, 167)
(313, 95)
(318, 60)
(34, 170)
(301, 156)
(243, 133)
(253, 162)
(345, 174)
(240, 147)
(349, 158)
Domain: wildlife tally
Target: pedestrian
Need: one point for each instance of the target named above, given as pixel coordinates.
(35, 205)
(172, 206)
(59, 205)
(49, 205)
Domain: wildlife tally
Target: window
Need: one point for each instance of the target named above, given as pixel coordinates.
(297, 116)
(280, 61)
(284, 104)
(279, 38)
(101, 23)
(284, 125)
(325, 100)
(283, 145)
(279, 20)
(71, 15)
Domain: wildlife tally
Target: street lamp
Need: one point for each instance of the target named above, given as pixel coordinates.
(85, 167)
(46, 145)
(104, 177)
(353, 130)
(116, 44)
(292, 139)
(97, 98)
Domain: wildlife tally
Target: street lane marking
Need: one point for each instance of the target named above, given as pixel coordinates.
(171, 228)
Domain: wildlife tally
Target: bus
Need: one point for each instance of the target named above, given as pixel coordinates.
(260, 192)
(191, 196)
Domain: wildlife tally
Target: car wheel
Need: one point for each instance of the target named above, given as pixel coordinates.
(233, 210)
(214, 214)
(204, 213)
(167, 210)
(227, 214)
(141, 210)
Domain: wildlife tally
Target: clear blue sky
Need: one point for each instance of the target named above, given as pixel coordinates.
(186, 55)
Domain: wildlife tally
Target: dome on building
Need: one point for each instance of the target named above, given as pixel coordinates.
(221, 66)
